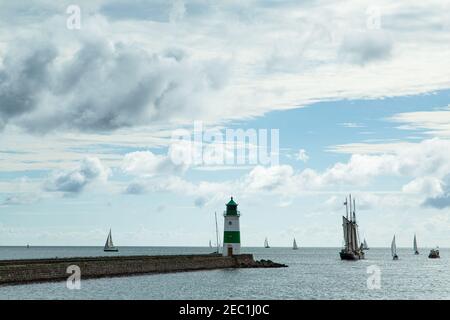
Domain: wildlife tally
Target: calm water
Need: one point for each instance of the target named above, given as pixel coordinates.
(313, 273)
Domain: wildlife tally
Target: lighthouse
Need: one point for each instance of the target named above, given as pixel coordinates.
(231, 232)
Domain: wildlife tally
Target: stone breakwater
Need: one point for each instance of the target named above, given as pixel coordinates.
(42, 270)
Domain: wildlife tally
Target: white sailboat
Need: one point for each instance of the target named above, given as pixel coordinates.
(394, 249)
(266, 243)
(416, 251)
(217, 237)
(109, 246)
(294, 245)
(365, 246)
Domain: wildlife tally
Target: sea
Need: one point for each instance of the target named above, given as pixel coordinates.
(312, 273)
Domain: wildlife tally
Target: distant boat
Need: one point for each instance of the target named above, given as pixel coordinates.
(364, 245)
(266, 243)
(109, 246)
(217, 237)
(394, 249)
(415, 245)
(28, 246)
(434, 253)
(352, 250)
(294, 245)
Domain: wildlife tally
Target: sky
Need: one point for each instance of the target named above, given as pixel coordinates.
(94, 95)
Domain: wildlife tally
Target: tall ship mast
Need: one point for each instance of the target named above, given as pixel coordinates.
(351, 250)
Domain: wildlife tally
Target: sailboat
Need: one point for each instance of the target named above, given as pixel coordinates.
(109, 246)
(415, 245)
(364, 245)
(266, 243)
(351, 250)
(394, 249)
(294, 245)
(217, 237)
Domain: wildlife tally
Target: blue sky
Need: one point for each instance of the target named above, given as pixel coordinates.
(360, 96)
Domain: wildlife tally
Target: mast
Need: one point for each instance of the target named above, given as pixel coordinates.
(217, 232)
(350, 197)
(354, 210)
(346, 207)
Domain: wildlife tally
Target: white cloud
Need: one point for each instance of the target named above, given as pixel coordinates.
(366, 47)
(434, 123)
(90, 170)
(148, 164)
(425, 186)
(123, 70)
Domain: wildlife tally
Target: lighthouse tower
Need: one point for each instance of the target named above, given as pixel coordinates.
(231, 232)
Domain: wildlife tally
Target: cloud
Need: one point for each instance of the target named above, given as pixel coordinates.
(441, 198)
(425, 186)
(351, 125)
(74, 181)
(366, 47)
(427, 163)
(148, 164)
(435, 123)
(136, 188)
(439, 202)
(200, 202)
(116, 73)
(104, 85)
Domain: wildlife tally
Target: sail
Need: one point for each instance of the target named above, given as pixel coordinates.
(355, 240)
(393, 247)
(294, 245)
(109, 242)
(415, 244)
(210, 245)
(345, 226)
(350, 234)
(266, 243)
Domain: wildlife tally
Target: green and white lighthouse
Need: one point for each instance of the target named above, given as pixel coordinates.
(231, 232)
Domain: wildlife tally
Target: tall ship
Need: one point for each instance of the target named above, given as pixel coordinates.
(266, 243)
(352, 250)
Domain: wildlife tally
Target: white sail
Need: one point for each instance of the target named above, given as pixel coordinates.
(365, 246)
(355, 240)
(415, 244)
(266, 243)
(294, 245)
(210, 245)
(345, 226)
(109, 243)
(393, 247)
